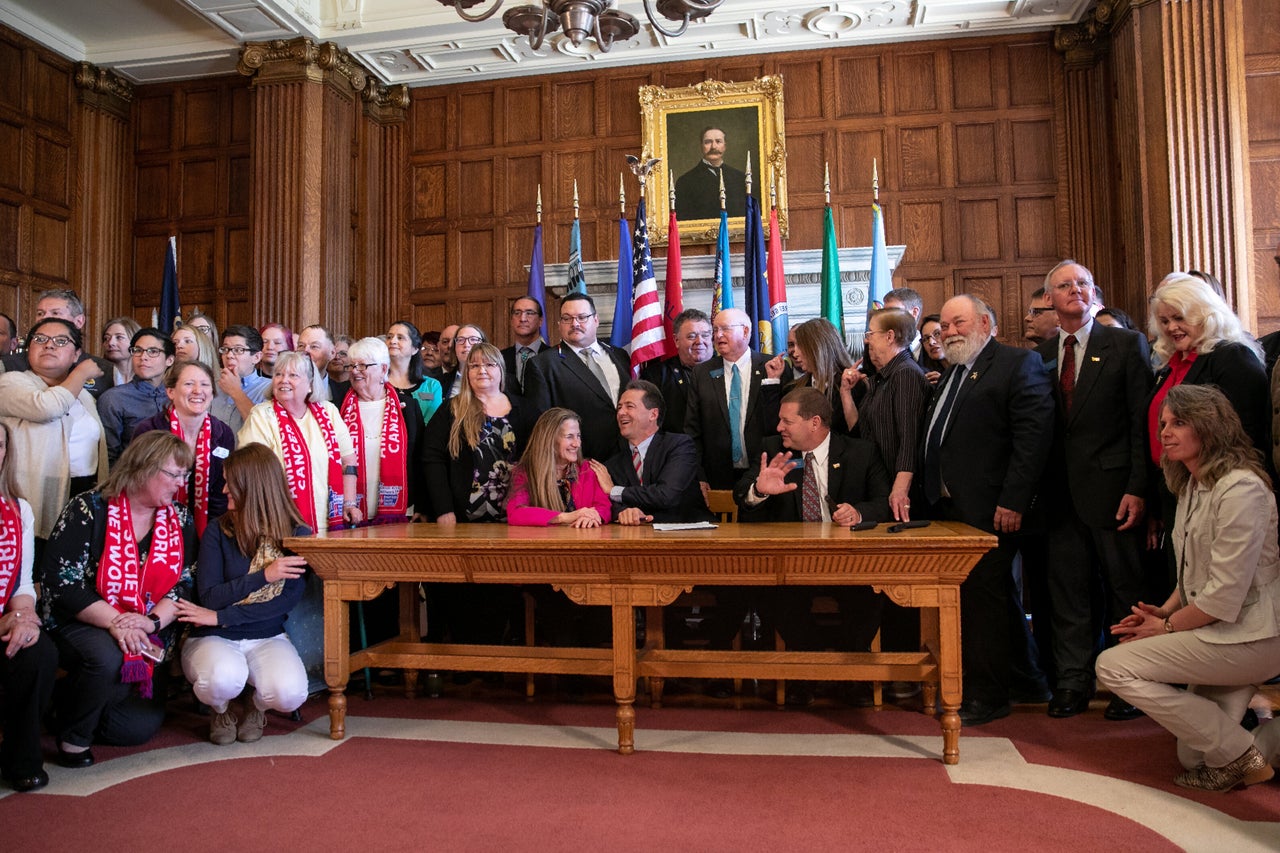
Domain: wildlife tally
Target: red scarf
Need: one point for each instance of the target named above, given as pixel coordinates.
(203, 452)
(1179, 366)
(393, 496)
(297, 463)
(10, 548)
(130, 587)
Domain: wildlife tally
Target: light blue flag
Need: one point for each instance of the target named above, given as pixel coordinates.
(577, 279)
(722, 288)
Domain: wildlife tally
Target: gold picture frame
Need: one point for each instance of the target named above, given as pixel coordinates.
(673, 121)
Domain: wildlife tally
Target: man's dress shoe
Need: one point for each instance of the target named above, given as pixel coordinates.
(1118, 709)
(1068, 703)
(976, 712)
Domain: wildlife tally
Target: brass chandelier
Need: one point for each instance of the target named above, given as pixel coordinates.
(582, 19)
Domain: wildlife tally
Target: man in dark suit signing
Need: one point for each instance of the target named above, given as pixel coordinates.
(581, 374)
(987, 437)
(732, 404)
(1095, 483)
(654, 475)
(808, 473)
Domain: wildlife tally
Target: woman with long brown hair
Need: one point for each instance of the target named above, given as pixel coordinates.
(246, 587)
(553, 484)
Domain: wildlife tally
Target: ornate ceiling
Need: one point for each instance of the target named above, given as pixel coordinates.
(421, 43)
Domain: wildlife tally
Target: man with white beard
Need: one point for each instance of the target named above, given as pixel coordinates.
(989, 429)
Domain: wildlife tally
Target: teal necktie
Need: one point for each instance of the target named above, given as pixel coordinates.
(735, 416)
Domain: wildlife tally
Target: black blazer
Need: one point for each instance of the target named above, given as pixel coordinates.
(707, 418)
(855, 476)
(670, 492)
(673, 380)
(995, 450)
(1238, 374)
(1100, 447)
(448, 479)
(558, 377)
(514, 385)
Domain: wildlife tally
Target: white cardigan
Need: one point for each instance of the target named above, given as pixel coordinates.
(36, 415)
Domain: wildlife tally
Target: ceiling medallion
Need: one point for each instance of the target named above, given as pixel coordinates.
(583, 19)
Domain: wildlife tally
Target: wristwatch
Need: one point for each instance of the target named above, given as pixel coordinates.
(1168, 626)
(155, 620)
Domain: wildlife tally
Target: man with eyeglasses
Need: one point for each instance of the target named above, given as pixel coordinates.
(65, 305)
(239, 384)
(122, 406)
(581, 374)
(1041, 322)
(526, 334)
(316, 342)
(673, 375)
(733, 405)
(987, 432)
(1096, 483)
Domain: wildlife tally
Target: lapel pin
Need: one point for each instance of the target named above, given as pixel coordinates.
(973, 375)
(835, 465)
(1094, 358)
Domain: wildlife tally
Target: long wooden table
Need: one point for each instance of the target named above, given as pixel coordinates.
(627, 567)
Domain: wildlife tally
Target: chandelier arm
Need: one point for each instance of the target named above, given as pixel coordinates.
(483, 16)
(542, 30)
(603, 43)
(653, 21)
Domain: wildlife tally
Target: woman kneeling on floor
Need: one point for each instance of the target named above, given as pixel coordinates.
(247, 586)
(1218, 632)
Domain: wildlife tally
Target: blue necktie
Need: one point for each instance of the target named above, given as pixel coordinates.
(933, 445)
(735, 416)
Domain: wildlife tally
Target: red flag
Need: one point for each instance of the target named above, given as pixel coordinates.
(675, 288)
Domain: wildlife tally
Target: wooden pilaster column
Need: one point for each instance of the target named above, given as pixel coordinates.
(104, 218)
(380, 294)
(302, 205)
(1180, 173)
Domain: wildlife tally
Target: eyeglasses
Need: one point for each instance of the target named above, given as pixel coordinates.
(174, 475)
(149, 352)
(234, 350)
(727, 330)
(1064, 286)
(935, 335)
(482, 365)
(472, 339)
(581, 318)
(525, 312)
(1036, 312)
(362, 367)
(58, 342)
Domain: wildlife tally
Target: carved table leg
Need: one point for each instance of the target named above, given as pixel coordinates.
(949, 666)
(655, 638)
(624, 670)
(337, 663)
(929, 640)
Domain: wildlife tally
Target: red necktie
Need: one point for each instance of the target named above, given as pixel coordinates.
(637, 463)
(1067, 379)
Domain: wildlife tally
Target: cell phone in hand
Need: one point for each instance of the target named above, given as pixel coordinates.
(152, 651)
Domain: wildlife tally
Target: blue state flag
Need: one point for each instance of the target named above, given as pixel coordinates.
(881, 276)
(754, 282)
(538, 278)
(620, 333)
(722, 285)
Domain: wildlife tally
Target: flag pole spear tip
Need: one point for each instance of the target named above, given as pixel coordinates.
(539, 204)
(575, 198)
(622, 195)
(875, 181)
(773, 188)
(671, 188)
(748, 173)
(826, 181)
(722, 205)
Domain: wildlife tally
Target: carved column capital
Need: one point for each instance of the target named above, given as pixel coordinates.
(385, 104)
(1084, 43)
(300, 60)
(104, 89)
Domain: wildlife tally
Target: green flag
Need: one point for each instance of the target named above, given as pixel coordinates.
(832, 300)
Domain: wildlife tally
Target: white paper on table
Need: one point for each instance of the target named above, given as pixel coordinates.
(693, 525)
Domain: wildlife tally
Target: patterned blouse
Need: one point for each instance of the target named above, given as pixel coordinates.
(495, 456)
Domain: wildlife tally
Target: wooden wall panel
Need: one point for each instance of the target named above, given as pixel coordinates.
(965, 133)
(192, 173)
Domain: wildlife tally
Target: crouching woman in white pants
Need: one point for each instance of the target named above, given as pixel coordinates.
(246, 586)
(1218, 631)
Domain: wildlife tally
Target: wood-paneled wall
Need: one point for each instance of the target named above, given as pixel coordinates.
(193, 170)
(1262, 90)
(38, 153)
(967, 134)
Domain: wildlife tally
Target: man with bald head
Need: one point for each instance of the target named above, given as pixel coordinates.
(987, 437)
(732, 404)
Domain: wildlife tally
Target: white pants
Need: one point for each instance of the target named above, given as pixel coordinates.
(1220, 679)
(218, 670)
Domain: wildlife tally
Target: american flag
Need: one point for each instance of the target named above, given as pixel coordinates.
(647, 334)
